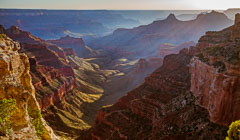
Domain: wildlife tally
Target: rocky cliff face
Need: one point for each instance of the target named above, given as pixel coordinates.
(18, 35)
(68, 88)
(217, 92)
(236, 29)
(194, 95)
(161, 108)
(215, 74)
(15, 83)
(52, 75)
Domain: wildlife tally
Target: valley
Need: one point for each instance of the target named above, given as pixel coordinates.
(108, 76)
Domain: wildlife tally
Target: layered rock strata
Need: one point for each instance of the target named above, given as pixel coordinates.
(215, 74)
(16, 84)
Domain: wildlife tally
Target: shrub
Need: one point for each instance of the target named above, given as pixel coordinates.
(230, 53)
(2, 36)
(214, 51)
(234, 131)
(7, 108)
(36, 121)
(202, 58)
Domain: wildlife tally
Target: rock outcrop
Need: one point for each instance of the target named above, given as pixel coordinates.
(16, 84)
(194, 95)
(236, 29)
(52, 75)
(217, 92)
(21, 36)
(161, 108)
(69, 89)
(215, 74)
(81, 49)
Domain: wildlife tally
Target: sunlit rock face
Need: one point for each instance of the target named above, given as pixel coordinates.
(16, 83)
(215, 74)
(51, 74)
(69, 89)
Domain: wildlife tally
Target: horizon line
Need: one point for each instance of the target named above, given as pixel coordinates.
(120, 9)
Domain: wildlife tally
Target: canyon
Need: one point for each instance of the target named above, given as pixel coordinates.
(148, 82)
(70, 89)
(194, 94)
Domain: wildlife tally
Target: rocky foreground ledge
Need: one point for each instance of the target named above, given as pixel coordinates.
(17, 96)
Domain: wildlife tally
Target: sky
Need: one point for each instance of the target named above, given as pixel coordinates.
(122, 4)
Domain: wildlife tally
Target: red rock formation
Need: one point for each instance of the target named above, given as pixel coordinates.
(47, 72)
(161, 108)
(55, 97)
(45, 76)
(215, 74)
(60, 52)
(236, 28)
(52, 75)
(213, 38)
(164, 108)
(22, 36)
(217, 92)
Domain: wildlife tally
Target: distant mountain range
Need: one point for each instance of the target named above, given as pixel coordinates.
(49, 24)
(53, 24)
(144, 39)
(193, 94)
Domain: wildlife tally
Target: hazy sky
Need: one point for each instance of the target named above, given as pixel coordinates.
(121, 4)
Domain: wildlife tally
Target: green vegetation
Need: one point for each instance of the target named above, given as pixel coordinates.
(7, 109)
(36, 121)
(2, 36)
(214, 51)
(229, 53)
(234, 131)
(202, 58)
